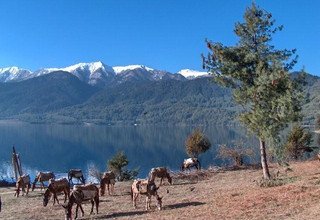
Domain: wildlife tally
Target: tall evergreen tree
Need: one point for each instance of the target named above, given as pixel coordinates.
(258, 75)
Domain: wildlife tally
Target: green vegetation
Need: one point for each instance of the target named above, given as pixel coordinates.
(197, 143)
(118, 163)
(258, 75)
(298, 142)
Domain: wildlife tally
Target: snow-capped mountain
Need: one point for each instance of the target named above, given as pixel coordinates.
(95, 73)
(120, 69)
(99, 74)
(142, 73)
(191, 74)
(13, 74)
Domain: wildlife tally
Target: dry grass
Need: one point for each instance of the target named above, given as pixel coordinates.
(214, 194)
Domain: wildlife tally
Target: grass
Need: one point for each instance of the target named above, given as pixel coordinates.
(212, 194)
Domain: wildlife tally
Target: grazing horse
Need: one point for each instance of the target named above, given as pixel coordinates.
(80, 194)
(160, 172)
(145, 187)
(108, 178)
(76, 173)
(23, 181)
(190, 162)
(42, 177)
(56, 186)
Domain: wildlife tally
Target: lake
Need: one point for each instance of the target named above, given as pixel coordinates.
(59, 148)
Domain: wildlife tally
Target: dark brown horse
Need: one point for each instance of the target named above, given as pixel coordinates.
(76, 173)
(55, 187)
(160, 172)
(42, 177)
(108, 178)
(189, 163)
(78, 196)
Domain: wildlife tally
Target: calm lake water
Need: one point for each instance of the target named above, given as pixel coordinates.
(59, 148)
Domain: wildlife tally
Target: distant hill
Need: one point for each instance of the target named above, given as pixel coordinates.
(131, 95)
(42, 94)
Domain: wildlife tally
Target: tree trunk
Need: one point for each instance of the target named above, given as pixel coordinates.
(264, 163)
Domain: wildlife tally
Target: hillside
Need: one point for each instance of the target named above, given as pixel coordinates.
(42, 94)
(213, 195)
(134, 96)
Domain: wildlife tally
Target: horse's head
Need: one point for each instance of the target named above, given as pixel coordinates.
(46, 197)
(67, 211)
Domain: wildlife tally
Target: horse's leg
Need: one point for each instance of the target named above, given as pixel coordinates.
(112, 189)
(81, 210)
(135, 196)
(42, 185)
(28, 187)
(65, 195)
(92, 204)
(161, 181)
(108, 185)
(96, 199)
(77, 208)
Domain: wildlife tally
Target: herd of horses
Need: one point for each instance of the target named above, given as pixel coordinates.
(90, 192)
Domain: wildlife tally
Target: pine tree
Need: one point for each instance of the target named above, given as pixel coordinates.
(259, 77)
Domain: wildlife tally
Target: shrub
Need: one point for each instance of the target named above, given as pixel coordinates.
(197, 143)
(298, 142)
(236, 153)
(118, 163)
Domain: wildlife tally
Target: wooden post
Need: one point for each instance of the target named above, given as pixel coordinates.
(16, 163)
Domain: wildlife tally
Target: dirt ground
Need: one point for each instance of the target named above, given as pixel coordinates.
(213, 195)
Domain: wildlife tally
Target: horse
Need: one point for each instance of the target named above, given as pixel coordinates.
(54, 187)
(160, 172)
(80, 194)
(145, 187)
(108, 178)
(42, 177)
(76, 173)
(23, 181)
(190, 162)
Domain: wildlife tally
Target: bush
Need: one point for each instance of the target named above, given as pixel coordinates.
(197, 143)
(298, 142)
(236, 153)
(118, 163)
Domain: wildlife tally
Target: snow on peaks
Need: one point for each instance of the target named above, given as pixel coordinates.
(190, 74)
(13, 74)
(119, 69)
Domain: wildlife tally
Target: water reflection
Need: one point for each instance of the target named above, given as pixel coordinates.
(62, 147)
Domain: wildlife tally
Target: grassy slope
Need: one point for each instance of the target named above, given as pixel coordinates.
(223, 195)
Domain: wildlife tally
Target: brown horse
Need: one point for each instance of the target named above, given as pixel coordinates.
(189, 163)
(108, 178)
(160, 172)
(56, 186)
(145, 187)
(76, 173)
(80, 194)
(23, 181)
(42, 177)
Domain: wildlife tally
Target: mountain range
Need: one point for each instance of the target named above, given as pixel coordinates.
(134, 94)
(99, 74)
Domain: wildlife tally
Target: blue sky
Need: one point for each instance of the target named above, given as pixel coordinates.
(163, 34)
